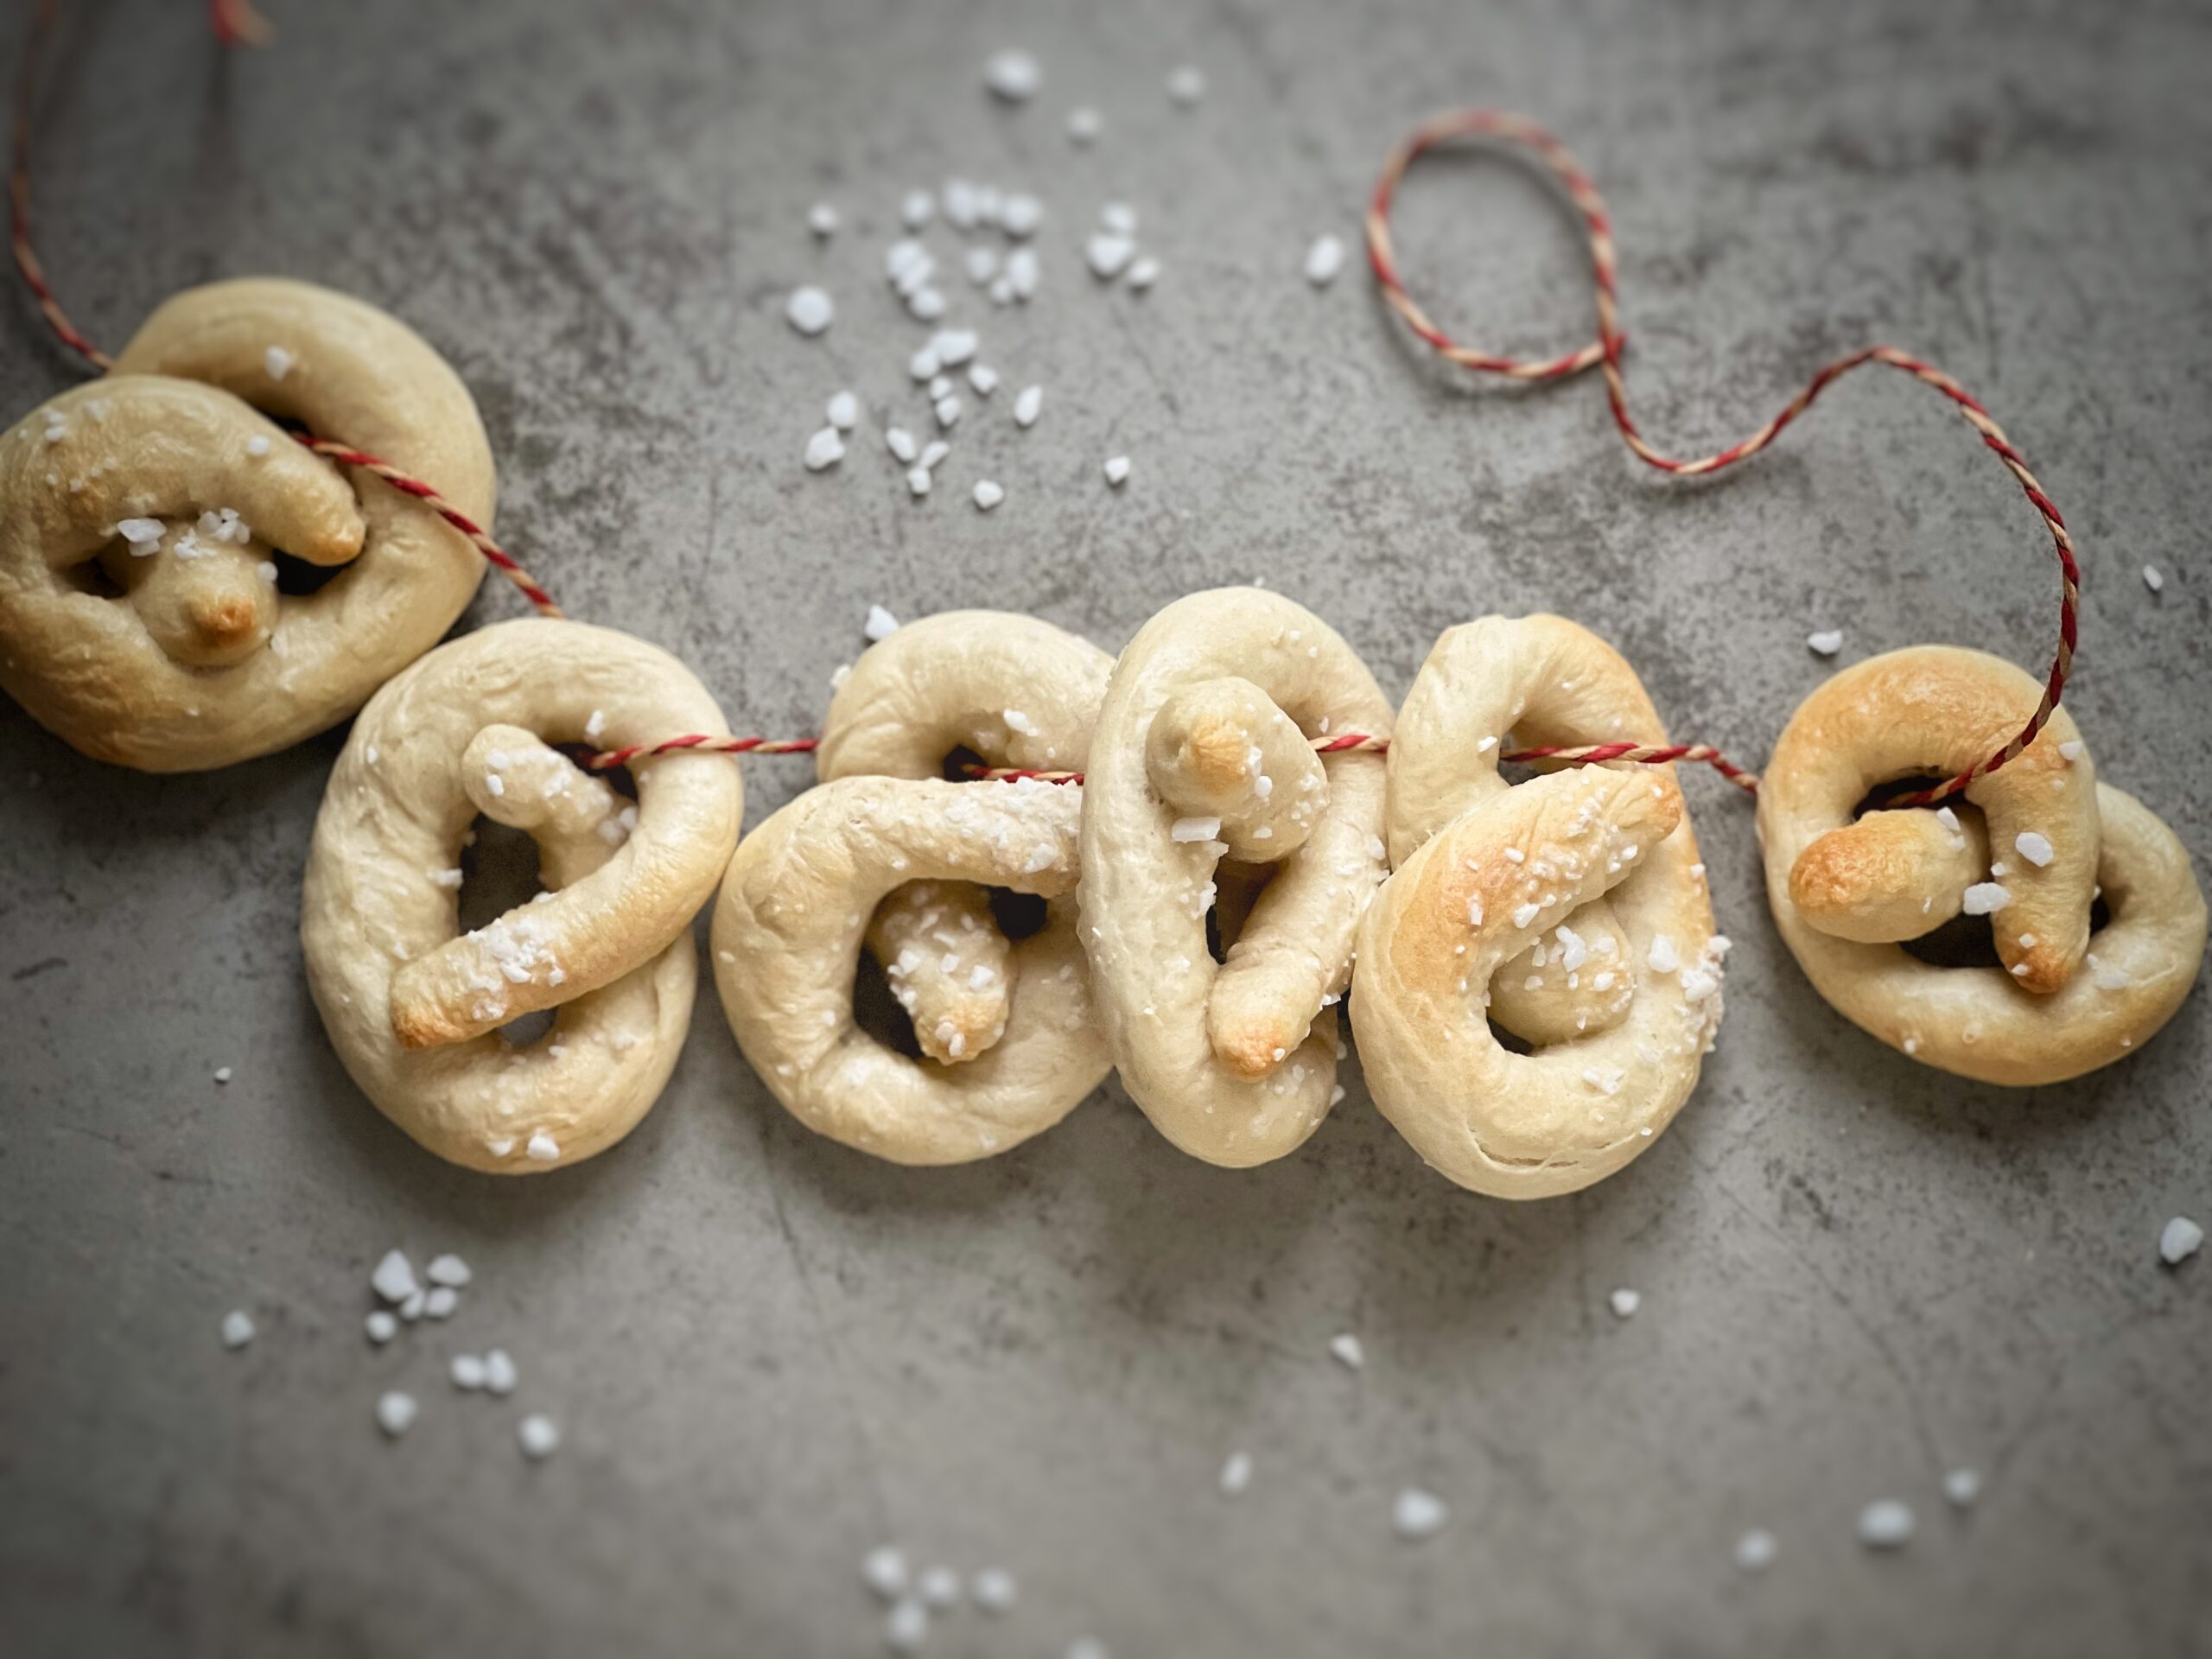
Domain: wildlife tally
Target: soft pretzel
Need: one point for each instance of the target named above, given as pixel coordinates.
(1570, 911)
(887, 854)
(2031, 845)
(411, 1008)
(140, 617)
(1203, 753)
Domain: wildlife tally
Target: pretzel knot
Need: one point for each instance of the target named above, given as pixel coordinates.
(412, 1009)
(1204, 798)
(140, 614)
(2032, 846)
(1570, 911)
(886, 854)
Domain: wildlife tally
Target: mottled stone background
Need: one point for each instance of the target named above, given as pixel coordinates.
(768, 1353)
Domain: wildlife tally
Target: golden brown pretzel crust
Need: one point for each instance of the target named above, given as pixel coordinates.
(1843, 891)
(1581, 891)
(411, 1008)
(199, 662)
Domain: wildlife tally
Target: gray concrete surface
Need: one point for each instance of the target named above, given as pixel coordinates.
(769, 1353)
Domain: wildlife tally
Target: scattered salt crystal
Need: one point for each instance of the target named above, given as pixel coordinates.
(1187, 85)
(411, 1309)
(257, 446)
(1485, 746)
(1107, 253)
(144, 535)
(277, 362)
(466, 1371)
(938, 1586)
(1085, 125)
(542, 1147)
(1886, 1525)
(993, 1589)
(1986, 898)
(1022, 273)
(2070, 750)
(988, 494)
(594, 729)
(884, 1571)
(1474, 912)
(1662, 958)
(1418, 1514)
(382, 1327)
(822, 218)
(906, 1626)
(1119, 218)
(223, 1074)
(1625, 1302)
(926, 304)
(396, 1412)
(1827, 642)
(933, 452)
(953, 346)
(499, 1372)
(1013, 75)
(2180, 1240)
(948, 411)
(1021, 215)
(1237, 1474)
(880, 624)
(810, 310)
(238, 1328)
(2036, 848)
(1194, 829)
(1028, 406)
(981, 263)
(394, 1278)
(1324, 260)
(538, 1435)
(1144, 273)
(440, 1302)
(917, 209)
(1524, 914)
(1348, 1349)
(1962, 1487)
(1018, 722)
(825, 448)
(918, 481)
(983, 378)
(1117, 470)
(844, 412)
(2152, 579)
(902, 442)
(1755, 1550)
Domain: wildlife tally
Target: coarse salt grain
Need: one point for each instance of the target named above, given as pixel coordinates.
(983, 378)
(277, 362)
(826, 448)
(257, 446)
(988, 494)
(1625, 1302)
(542, 1147)
(1755, 1550)
(883, 1569)
(917, 208)
(2152, 579)
(1324, 260)
(499, 1375)
(440, 1302)
(466, 1371)
(396, 1412)
(993, 1589)
(1107, 254)
(844, 412)
(2180, 1239)
(1117, 470)
(1189, 829)
(918, 481)
(810, 310)
(1827, 642)
(902, 443)
(933, 452)
(822, 220)
(1021, 216)
(1144, 273)
(906, 1626)
(1028, 406)
(880, 624)
(1962, 1487)
(382, 1327)
(238, 1328)
(1085, 125)
(1348, 1349)
(394, 1277)
(1418, 1514)
(1886, 1525)
(1187, 85)
(938, 1586)
(2070, 750)
(2036, 848)
(1013, 75)
(1986, 899)
(223, 1074)
(948, 411)
(538, 1435)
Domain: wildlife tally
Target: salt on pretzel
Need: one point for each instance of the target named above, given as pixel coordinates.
(140, 618)
(887, 855)
(1203, 752)
(1570, 911)
(411, 1008)
(2037, 839)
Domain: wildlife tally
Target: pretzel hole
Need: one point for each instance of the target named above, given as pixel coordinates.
(498, 871)
(1881, 796)
(1018, 914)
(1237, 888)
(297, 578)
(1508, 1041)
(957, 765)
(1966, 940)
(877, 1013)
(91, 576)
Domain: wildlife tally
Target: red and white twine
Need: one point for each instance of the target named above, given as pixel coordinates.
(236, 22)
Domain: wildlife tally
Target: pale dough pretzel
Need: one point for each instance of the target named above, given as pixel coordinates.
(1203, 752)
(901, 862)
(413, 1010)
(173, 650)
(1571, 910)
(2040, 836)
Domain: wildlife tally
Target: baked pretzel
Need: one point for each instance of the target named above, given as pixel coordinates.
(887, 855)
(413, 1010)
(2030, 846)
(1570, 911)
(140, 616)
(1202, 754)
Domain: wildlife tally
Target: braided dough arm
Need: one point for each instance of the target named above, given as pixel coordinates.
(1554, 1121)
(1145, 897)
(787, 934)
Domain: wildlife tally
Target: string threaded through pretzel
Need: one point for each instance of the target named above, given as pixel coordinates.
(1604, 353)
